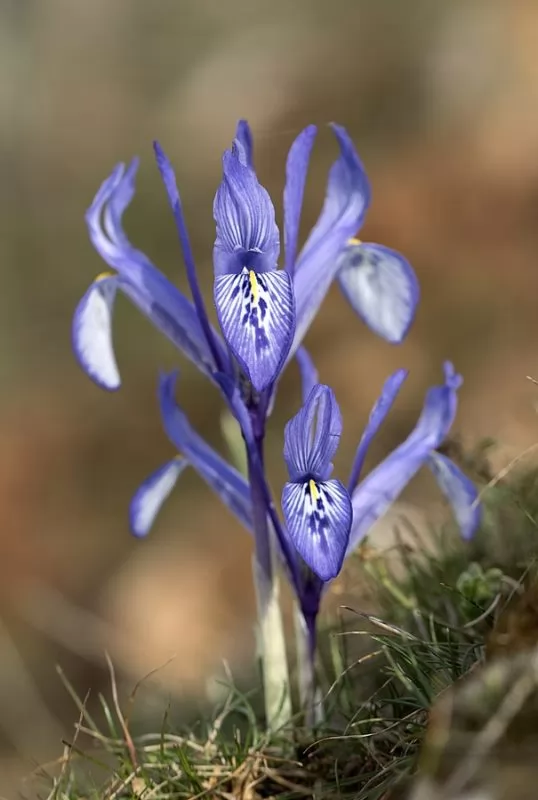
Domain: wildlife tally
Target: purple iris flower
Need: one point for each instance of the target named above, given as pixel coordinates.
(317, 508)
(264, 312)
(324, 521)
(324, 535)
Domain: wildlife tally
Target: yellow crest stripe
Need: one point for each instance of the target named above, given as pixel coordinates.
(103, 275)
(253, 284)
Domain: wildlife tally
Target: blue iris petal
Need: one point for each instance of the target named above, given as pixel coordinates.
(312, 436)
(243, 136)
(309, 373)
(256, 314)
(225, 481)
(151, 495)
(247, 235)
(376, 493)
(346, 201)
(381, 287)
(383, 405)
(318, 516)
(169, 180)
(317, 509)
(91, 333)
(138, 278)
(460, 492)
(296, 172)
(439, 410)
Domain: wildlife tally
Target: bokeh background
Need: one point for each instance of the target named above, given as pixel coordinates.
(442, 102)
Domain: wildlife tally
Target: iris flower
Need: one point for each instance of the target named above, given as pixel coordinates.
(317, 508)
(263, 312)
(324, 521)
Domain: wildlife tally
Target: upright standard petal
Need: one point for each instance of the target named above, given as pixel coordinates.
(296, 172)
(376, 493)
(151, 495)
(92, 333)
(247, 235)
(318, 516)
(346, 201)
(155, 296)
(381, 287)
(257, 316)
(382, 406)
(225, 481)
(460, 492)
(312, 436)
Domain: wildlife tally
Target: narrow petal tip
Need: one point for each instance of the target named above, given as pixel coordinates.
(452, 378)
(243, 135)
(309, 373)
(92, 333)
(166, 170)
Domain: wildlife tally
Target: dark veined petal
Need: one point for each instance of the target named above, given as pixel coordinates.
(309, 373)
(382, 406)
(247, 235)
(155, 296)
(296, 172)
(311, 437)
(225, 481)
(257, 317)
(346, 201)
(460, 492)
(318, 518)
(243, 135)
(381, 287)
(92, 333)
(376, 493)
(151, 495)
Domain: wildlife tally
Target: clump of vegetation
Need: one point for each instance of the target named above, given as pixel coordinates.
(439, 683)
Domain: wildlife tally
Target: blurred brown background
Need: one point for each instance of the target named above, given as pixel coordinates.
(442, 102)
